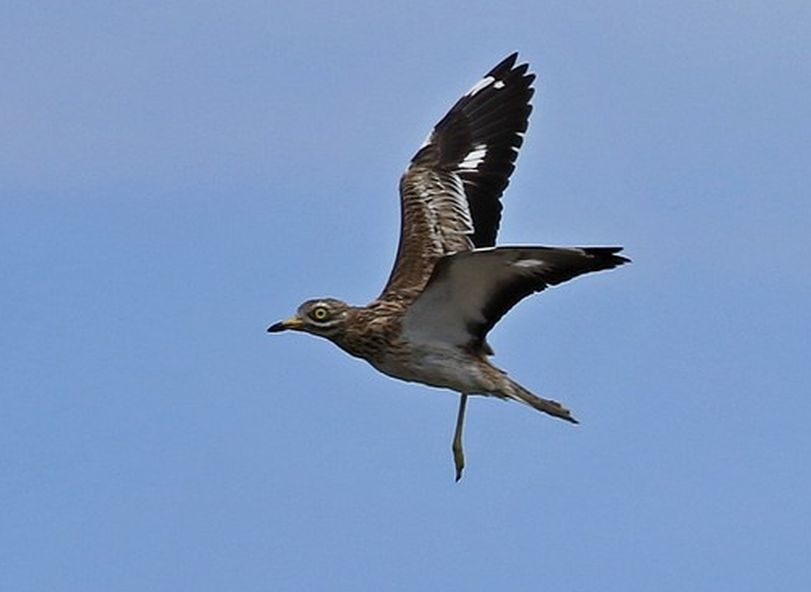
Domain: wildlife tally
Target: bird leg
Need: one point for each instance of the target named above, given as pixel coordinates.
(458, 453)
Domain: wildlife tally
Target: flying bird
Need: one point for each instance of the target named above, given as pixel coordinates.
(450, 284)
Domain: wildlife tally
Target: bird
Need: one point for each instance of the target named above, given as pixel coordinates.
(450, 283)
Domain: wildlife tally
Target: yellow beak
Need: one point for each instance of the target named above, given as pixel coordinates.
(291, 323)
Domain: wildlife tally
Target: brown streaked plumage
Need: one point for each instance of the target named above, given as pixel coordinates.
(450, 285)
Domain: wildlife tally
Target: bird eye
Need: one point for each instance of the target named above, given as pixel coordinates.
(320, 313)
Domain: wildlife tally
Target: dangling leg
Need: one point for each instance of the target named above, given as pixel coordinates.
(458, 454)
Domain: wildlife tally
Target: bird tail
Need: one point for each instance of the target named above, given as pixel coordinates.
(518, 393)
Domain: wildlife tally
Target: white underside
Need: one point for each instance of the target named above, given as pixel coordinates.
(440, 365)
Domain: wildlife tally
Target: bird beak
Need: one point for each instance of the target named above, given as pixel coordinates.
(291, 323)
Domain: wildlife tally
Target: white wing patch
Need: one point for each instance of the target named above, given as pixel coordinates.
(484, 83)
(481, 85)
(474, 158)
(531, 263)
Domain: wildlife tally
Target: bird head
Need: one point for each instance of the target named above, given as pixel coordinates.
(320, 316)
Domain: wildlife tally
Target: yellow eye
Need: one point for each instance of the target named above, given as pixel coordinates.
(320, 313)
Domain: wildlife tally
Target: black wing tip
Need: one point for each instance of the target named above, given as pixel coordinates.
(504, 65)
(510, 66)
(509, 63)
(606, 257)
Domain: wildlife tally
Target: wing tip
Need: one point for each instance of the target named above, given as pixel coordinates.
(507, 64)
(607, 256)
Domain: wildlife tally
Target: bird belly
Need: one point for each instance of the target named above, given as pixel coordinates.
(440, 366)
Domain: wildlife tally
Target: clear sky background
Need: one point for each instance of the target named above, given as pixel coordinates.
(176, 176)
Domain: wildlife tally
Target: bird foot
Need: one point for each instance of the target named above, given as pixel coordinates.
(458, 460)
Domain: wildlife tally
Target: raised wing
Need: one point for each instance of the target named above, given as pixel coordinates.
(469, 292)
(450, 193)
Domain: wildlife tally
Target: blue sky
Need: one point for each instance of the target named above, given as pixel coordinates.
(175, 177)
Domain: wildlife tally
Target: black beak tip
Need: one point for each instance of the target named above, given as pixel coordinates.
(276, 328)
